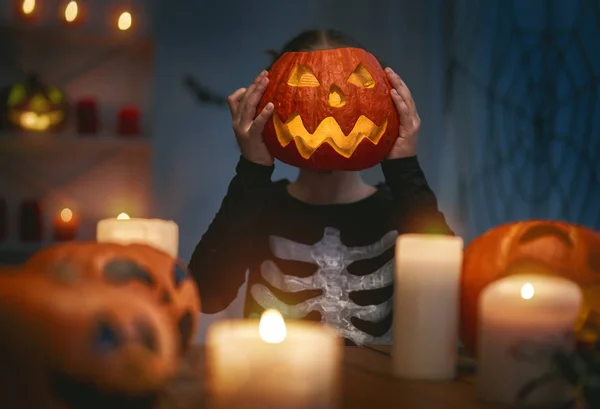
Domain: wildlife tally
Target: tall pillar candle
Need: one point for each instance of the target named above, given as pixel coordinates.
(426, 306)
(523, 319)
(273, 365)
(162, 234)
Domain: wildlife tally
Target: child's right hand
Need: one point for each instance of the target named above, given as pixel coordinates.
(247, 129)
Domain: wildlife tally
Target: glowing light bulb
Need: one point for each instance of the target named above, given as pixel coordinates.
(28, 6)
(71, 11)
(272, 327)
(66, 215)
(527, 291)
(123, 216)
(125, 21)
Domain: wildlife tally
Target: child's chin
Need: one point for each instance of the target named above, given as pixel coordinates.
(325, 172)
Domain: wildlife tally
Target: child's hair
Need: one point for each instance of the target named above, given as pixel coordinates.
(311, 40)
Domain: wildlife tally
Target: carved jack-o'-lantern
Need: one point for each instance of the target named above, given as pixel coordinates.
(333, 110)
(68, 343)
(137, 266)
(34, 106)
(529, 247)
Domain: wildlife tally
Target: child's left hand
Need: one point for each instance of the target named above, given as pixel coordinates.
(406, 144)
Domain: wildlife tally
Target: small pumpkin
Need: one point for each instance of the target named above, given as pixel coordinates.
(333, 110)
(531, 247)
(136, 266)
(32, 105)
(68, 343)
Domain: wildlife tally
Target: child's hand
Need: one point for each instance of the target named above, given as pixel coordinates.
(247, 129)
(410, 123)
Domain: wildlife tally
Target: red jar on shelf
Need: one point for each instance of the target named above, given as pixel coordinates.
(129, 121)
(30, 221)
(87, 117)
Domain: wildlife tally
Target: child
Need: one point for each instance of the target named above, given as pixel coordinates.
(321, 247)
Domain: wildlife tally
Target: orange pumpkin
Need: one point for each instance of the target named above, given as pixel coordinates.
(333, 110)
(533, 246)
(136, 266)
(67, 343)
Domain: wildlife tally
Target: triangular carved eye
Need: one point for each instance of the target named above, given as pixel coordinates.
(302, 76)
(361, 77)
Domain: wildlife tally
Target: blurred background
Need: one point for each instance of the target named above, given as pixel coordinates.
(112, 106)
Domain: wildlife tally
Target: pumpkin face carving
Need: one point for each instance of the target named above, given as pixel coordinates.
(34, 106)
(333, 110)
(136, 266)
(71, 343)
(529, 247)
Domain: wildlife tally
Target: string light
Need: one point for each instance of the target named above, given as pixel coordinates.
(28, 6)
(125, 21)
(71, 11)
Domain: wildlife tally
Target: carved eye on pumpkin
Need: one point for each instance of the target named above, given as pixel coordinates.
(302, 76)
(121, 271)
(361, 77)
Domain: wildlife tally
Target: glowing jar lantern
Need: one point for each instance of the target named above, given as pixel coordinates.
(523, 320)
(162, 234)
(272, 364)
(35, 106)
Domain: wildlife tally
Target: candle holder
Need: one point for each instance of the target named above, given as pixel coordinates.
(65, 226)
(30, 221)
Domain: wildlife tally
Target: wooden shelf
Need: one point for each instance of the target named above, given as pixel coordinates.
(23, 143)
(77, 36)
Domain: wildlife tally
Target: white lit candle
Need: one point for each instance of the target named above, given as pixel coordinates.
(162, 234)
(523, 319)
(426, 306)
(273, 364)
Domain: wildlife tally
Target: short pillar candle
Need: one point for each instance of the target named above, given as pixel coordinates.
(523, 320)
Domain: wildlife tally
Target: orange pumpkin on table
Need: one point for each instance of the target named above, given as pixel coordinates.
(67, 343)
(533, 246)
(333, 110)
(136, 266)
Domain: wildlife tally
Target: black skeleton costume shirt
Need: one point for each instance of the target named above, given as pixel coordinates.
(333, 263)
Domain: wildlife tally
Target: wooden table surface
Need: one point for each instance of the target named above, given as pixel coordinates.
(367, 384)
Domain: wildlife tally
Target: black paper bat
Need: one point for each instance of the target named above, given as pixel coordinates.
(202, 93)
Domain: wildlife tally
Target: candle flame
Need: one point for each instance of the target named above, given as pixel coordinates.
(28, 6)
(272, 327)
(527, 291)
(71, 11)
(125, 21)
(123, 216)
(66, 215)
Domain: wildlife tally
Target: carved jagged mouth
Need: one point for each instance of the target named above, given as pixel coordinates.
(328, 131)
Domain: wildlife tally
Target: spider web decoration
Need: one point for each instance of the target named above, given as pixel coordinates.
(534, 69)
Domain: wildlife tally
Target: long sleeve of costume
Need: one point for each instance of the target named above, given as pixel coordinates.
(414, 201)
(225, 251)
